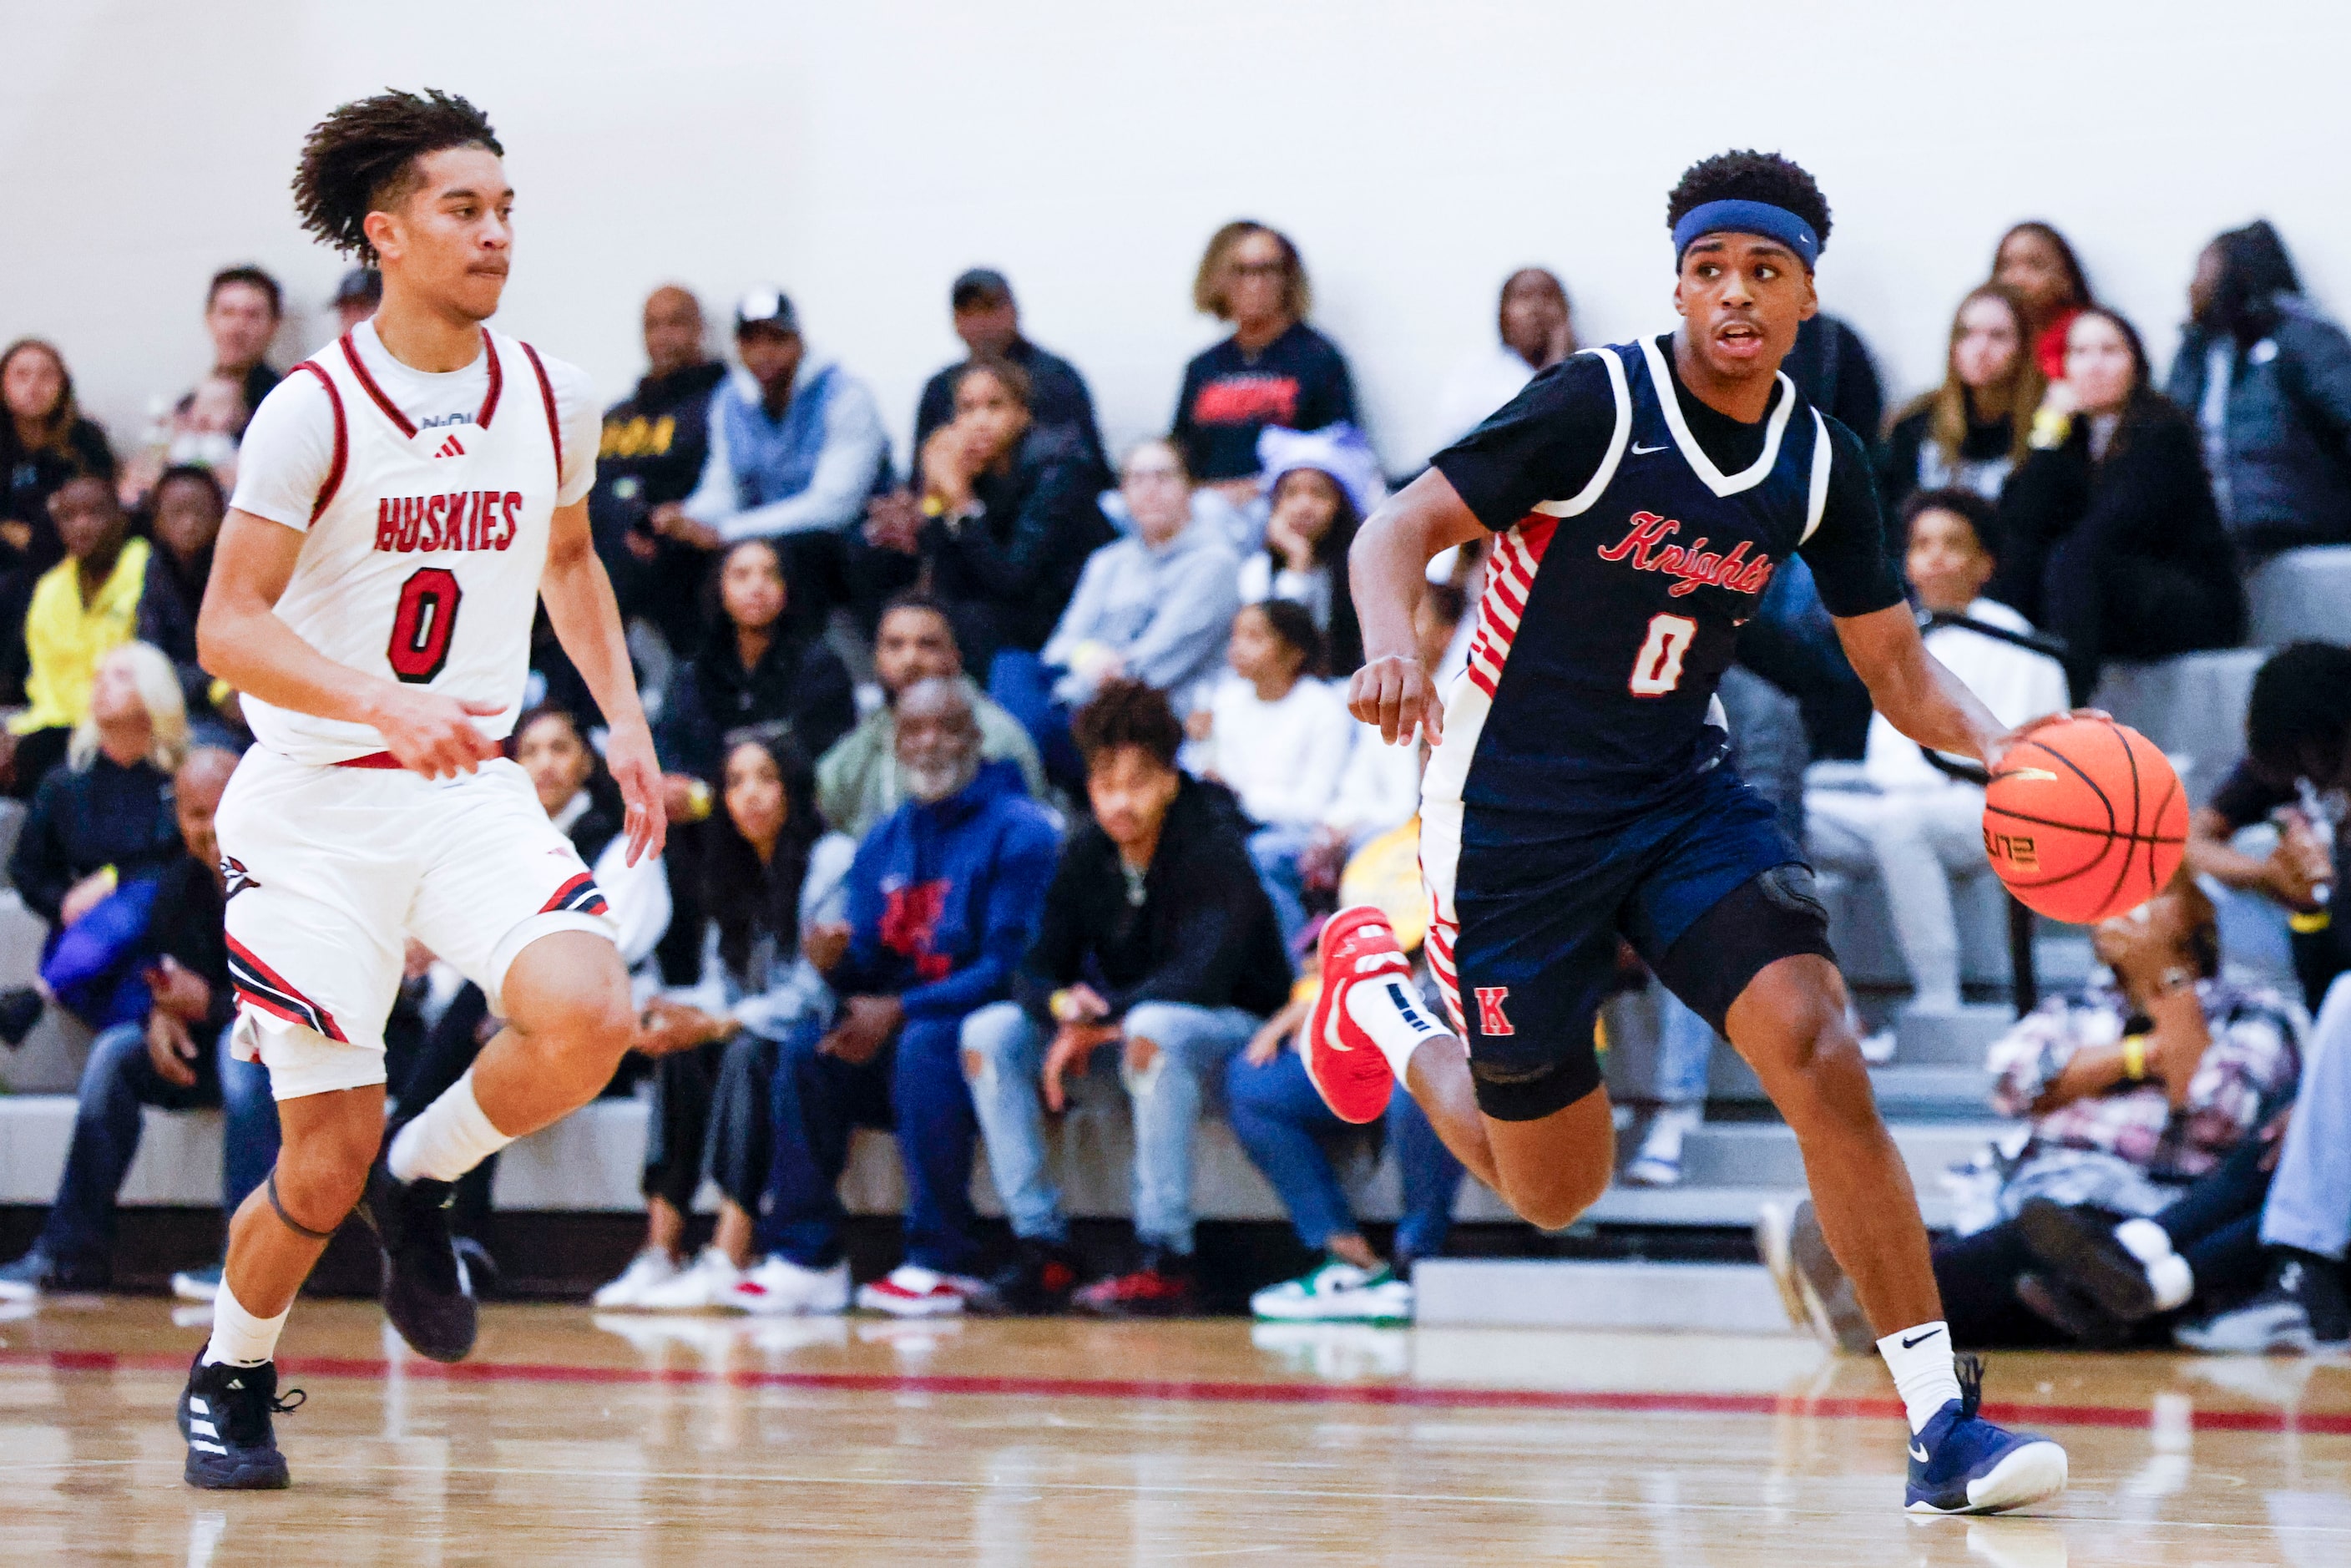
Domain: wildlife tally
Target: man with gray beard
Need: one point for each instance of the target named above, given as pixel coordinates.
(943, 898)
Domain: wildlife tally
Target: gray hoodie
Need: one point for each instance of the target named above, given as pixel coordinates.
(1166, 609)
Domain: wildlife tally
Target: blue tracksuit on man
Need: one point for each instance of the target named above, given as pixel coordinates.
(943, 901)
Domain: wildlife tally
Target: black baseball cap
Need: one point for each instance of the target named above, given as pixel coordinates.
(978, 286)
(361, 285)
(766, 307)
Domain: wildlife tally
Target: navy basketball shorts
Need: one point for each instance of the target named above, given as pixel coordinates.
(1704, 887)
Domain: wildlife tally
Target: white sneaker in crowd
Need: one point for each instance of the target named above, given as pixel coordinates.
(648, 1268)
(1659, 1163)
(1337, 1291)
(700, 1286)
(909, 1290)
(777, 1287)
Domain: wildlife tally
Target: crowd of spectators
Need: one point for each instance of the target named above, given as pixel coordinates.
(984, 763)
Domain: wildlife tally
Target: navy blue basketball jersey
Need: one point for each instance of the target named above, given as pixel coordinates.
(1611, 609)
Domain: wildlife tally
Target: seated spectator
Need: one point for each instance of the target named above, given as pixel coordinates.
(242, 312)
(1283, 1124)
(988, 319)
(2136, 1088)
(1273, 369)
(1156, 937)
(943, 899)
(1910, 825)
(174, 1057)
(860, 781)
(356, 296)
(185, 514)
(2297, 764)
(1006, 519)
(796, 442)
(752, 670)
(1769, 749)
(1831, 370)
(93, 602)
(1970, 432)
(2034, 263)
(2268, 379)
(1319, 486)
(584, 803)
(1537, 330)
(769, 873)
(2109, 540)
(97, 837)
(1278, 735)
(655, 444)
(44, 442)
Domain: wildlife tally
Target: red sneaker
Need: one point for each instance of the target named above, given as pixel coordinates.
(1161, 1288)
(1342, 1062)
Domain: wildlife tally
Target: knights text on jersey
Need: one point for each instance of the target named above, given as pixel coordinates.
(426, 545)
(1624, 562)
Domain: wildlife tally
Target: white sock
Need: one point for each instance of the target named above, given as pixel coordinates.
(1389, 1010)
(1920, 1359)
(2167, 1273)
(240, 1339)
(449, 1139)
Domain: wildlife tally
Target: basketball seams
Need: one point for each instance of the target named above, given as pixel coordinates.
(2100, 881)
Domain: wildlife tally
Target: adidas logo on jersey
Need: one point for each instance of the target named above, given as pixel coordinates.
(451, 447)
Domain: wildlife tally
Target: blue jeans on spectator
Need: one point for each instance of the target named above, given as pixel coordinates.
(1005, 1050)
(1685, 1046)
(1283, 1123)
(914, 1087)
(93, 966)
(117, 1080)
(2310, 1200)
(1022, 684)
(1275, 852)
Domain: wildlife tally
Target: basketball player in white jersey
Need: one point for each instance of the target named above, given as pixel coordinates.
(404, 500)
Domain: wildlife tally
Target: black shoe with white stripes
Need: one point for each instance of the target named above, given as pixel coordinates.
(225, 1416)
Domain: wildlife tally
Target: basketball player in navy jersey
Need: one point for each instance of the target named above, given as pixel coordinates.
(1640, 498)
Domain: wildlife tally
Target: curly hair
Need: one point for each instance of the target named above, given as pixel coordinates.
(1124, 713)
(362, 159)
(1749, 177)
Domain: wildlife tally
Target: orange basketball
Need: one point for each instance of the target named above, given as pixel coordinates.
(2085, 819)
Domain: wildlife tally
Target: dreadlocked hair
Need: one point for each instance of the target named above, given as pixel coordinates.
(2298, 718)
(362, 159)
(1751, 177)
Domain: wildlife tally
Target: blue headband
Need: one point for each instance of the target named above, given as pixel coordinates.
(1746, 218)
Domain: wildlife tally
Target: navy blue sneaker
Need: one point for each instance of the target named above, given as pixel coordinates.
(225, 1416)
(1963, 1464)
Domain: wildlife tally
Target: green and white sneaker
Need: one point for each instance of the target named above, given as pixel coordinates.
(1336, 1292)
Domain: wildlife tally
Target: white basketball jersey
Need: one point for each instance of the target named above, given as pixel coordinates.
(425, 547)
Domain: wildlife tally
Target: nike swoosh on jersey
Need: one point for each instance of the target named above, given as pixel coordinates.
(1919, 1453)
(1644, 451)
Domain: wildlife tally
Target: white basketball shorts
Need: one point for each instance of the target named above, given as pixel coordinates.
(330, 868)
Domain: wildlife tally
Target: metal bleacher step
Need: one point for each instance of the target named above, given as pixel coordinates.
(1927, 1091)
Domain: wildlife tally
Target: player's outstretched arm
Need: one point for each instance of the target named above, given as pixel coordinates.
(1917, 693)
(587, 621)
(240, 639)
(1386, 571)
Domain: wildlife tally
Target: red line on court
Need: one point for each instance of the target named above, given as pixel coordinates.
(1403, 1394)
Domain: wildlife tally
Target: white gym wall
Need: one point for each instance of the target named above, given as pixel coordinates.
(861, 155)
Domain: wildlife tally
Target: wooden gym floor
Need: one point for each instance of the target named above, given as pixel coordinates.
(606, 1439)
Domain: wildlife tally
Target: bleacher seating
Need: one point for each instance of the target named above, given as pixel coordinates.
(2301, 594)
(2193, 705)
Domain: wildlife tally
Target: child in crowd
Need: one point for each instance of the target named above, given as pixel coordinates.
(1319, 486)
(1279, 737)
(1910, 825)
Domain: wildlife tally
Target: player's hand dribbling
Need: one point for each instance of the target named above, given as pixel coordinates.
(436, 735)
(2000, 748)
(1394, 693)
(628, 755)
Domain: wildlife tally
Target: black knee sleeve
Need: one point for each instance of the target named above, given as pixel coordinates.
(1768, 917)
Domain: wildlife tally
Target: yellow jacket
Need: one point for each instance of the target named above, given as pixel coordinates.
(65, 639)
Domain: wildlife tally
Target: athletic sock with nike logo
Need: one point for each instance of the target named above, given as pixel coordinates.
(1923, 1375)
